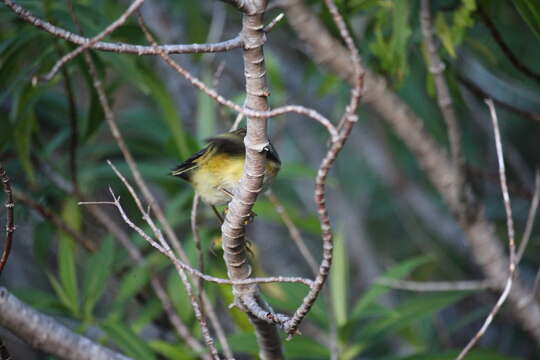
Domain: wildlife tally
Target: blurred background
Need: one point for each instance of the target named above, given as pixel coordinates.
(389, 220)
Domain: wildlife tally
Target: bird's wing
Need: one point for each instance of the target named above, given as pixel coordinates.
(183, 170)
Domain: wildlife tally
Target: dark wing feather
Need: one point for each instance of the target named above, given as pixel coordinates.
(231, 143)
(184, 169)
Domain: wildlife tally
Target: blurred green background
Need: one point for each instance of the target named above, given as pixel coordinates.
(389, 220)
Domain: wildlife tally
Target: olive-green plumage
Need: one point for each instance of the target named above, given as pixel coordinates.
(215, 170)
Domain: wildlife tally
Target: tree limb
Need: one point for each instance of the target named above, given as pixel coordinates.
(45, 333)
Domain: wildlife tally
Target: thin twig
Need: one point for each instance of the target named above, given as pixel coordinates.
(302, 110)
(347, 121)
(436, 68)
(123, 48)
(433, 286)
(293, 231)
(163, 246)
(530, 218)
(10, 227)
(510, 228)
(237, 121)
(274, 22)
(166, 250)
(109, 29)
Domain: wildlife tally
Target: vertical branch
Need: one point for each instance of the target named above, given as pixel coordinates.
(10, 227)
(510, 229)
(436, 68)
(233, 228)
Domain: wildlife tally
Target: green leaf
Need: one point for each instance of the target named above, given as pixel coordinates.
(479, 354)
(43, 235)
(206, 111)
(145, 79)
(128, 341)
(151, 310)
(244, 343)
(396, 272)
(302, 347)
(530, 12)
(66, 254)
(415, 309)
(25, 126)
(131, 284)
(172, 351)
(462, 20)
(97, 269)
(339, 279)
(444, 33)
(179, 297)
(392, 49)
(61, 294)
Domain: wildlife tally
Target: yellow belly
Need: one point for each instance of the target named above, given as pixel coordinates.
(220, 175)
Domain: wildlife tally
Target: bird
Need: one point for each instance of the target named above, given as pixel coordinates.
(215, 170)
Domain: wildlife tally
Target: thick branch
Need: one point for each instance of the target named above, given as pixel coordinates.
(233, 228)
(45, 333)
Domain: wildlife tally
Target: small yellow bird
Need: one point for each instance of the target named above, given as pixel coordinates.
(215, 171)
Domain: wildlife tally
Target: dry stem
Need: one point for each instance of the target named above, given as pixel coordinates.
(510, 228)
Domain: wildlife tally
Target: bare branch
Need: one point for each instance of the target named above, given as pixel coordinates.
(166, 250)
(27, 16)
(436, 68)
(109, 29)
(274, 22)
(510, 228)
(348, 119)
(46, 334)
(245, 6)
(10, 227)
(432, 286)
(311, 113)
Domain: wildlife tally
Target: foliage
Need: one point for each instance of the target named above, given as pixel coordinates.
(105, 292)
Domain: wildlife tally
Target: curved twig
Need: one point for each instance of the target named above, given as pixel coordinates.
(510, 229)
(348, 119)
(302, 110)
